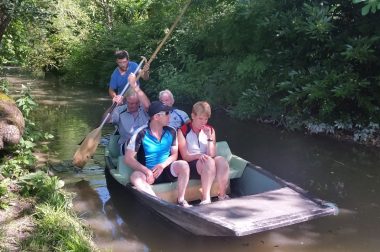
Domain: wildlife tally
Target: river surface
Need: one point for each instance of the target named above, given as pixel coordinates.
(340, 172)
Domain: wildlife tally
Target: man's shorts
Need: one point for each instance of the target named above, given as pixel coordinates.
(166, 176)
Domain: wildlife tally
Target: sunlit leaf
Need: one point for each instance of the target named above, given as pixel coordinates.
(366, 9)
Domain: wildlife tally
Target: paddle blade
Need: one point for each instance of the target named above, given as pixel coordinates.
(87, 148)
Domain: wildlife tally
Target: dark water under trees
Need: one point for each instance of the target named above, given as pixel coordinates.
(344, 173)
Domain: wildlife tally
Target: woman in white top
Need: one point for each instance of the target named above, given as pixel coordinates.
(197, 146)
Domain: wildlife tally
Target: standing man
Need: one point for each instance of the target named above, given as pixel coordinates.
(177, 117)
(156, 148)
(119, 77)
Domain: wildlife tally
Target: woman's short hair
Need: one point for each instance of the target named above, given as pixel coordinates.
(202, 108)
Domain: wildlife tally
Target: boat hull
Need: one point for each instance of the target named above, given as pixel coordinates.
(260, 202)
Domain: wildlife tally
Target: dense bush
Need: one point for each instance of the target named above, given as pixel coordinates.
(296, 63)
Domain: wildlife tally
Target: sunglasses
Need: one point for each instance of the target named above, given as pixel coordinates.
(163, 113)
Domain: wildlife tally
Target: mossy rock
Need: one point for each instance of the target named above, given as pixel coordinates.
(4, 97)
(12, 123)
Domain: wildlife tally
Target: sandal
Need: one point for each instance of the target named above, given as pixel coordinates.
(183, 203)
(205, 202)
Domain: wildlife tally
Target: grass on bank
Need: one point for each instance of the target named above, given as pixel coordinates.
(57, 226)
(58, 229)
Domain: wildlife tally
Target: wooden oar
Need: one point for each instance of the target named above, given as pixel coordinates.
(91, 142)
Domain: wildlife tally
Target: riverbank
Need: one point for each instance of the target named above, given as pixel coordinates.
(16, 222)
(367, 136)
(36, 213)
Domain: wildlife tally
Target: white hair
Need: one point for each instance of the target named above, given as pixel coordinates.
(168, 92)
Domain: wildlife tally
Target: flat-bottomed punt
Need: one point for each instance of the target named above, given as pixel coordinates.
(259, 200)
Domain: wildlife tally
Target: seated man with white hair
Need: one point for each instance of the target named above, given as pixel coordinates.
(177, 117)
(132, 114)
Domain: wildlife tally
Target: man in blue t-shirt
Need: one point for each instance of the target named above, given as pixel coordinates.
(156, 148)
(119, 77)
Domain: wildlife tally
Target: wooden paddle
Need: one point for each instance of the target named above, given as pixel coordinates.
(90, 143)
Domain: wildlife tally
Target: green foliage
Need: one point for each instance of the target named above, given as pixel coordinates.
(3, 195)
(316, 22)
(16, 15)
(26, 9)
(311, 79)
(44, 187)
(361, 49)
(294, 63)
(26, 102)
(14, 45)
(66, 31)
(4, 86)
(364, 134)
(360, 133)
(3, 189)
(370, 5)
(18, 165)
(254, 103)
(44, 44)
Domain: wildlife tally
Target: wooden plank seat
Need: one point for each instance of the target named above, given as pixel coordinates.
(168, 191)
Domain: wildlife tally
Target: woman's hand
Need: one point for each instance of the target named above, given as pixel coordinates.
(207, 131)
(204, 157)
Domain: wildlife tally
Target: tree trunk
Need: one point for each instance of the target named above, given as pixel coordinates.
(4, 22)
(107, 10)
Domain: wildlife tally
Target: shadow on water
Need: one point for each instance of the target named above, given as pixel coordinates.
(141, 222)
(343, 173)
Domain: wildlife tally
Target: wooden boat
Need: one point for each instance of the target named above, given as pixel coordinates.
(259, 200)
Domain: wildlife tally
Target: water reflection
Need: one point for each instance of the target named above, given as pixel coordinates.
(344, 173)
